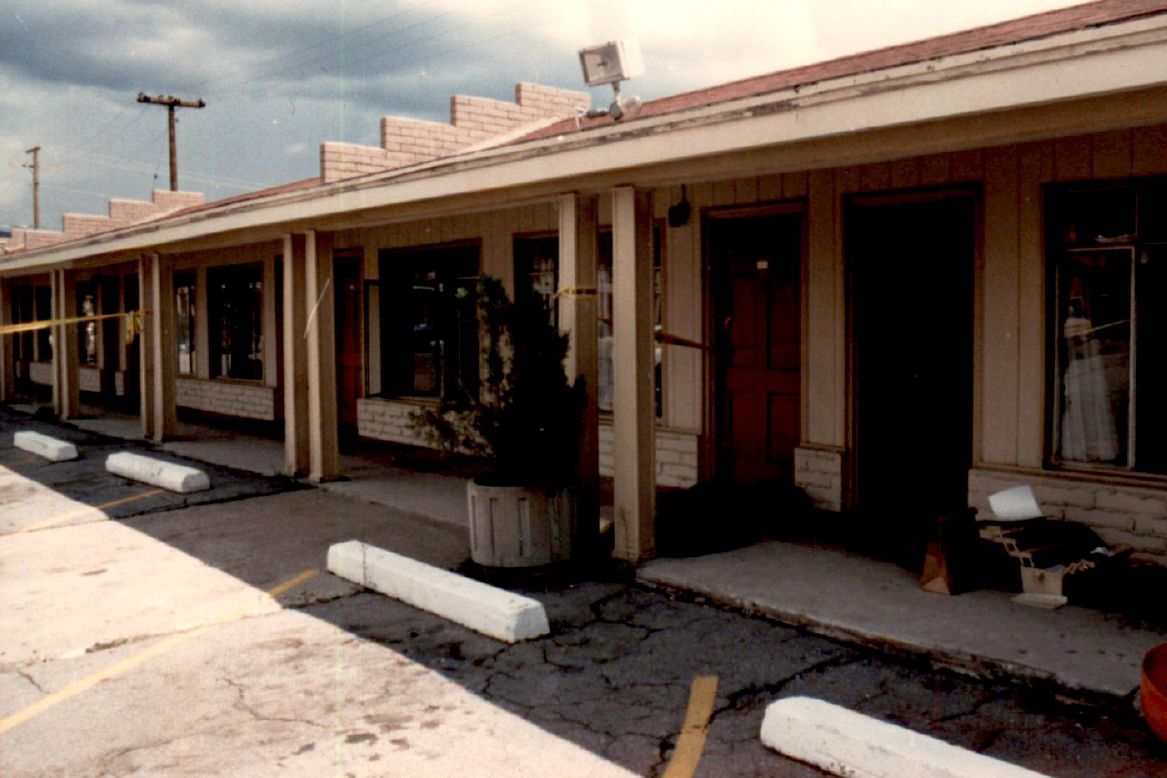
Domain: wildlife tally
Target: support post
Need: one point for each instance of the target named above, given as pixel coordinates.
(7, 343)
(162, 346)
(577, 318)
(295, 377)
(145, 348)
(323, 448)
(633, 412)
(66, 370)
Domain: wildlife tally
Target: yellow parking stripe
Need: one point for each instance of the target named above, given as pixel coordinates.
(130, 662)
(64, 517)
(691, 741)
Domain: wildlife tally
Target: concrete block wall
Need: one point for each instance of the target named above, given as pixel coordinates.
(227, 398)
(819, 472)
(676, 452)
(89, 379)
(408, 141)
(41, 373)
(387, 420)
(676, 456)
(1125, 515)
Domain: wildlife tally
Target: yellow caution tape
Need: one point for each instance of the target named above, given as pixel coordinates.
(577, 291)
(133, 323)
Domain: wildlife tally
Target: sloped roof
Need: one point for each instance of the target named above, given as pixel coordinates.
(1027, 28)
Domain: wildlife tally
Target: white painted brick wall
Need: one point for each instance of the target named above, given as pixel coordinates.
(819, 473)
(387, 420)
(228, 398)
(41, 373)
(89, 379)
(676, 452)
(1134, 516)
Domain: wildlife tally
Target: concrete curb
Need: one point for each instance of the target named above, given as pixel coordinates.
(156, 472)
(44, 446)
(844, 742)
(489, 610)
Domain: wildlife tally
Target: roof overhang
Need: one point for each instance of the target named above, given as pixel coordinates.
(1083, 81)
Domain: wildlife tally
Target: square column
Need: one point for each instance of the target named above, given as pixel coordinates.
(295, 378)
(66, 370)
(633, 409)
(323, 441)
(7, 343)
(156, 349)
(577, 318)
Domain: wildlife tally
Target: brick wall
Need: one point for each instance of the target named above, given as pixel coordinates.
(228, 398)
(676, 452)
(407, 141)
(89, 379)
(41, 373)
(819, 472)
(1121, 515)
(387, 420)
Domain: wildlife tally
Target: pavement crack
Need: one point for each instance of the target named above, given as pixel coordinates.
(241, 704)
(975, 708)
(742, 698)
(30, 679)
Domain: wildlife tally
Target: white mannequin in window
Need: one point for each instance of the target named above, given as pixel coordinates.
(1088, 432)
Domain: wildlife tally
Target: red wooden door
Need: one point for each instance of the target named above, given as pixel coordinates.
(349, 376)
(756, 281)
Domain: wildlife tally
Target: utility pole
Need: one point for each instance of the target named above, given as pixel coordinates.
(36, 185)
(171, 103)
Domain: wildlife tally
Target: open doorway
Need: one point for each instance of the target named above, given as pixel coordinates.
(911, 281)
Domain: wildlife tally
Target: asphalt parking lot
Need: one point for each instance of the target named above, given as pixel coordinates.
(164, 636)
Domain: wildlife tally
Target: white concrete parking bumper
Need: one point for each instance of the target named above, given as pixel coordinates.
(156, 472)
(494, 612)
(44, 446)
(844, 742)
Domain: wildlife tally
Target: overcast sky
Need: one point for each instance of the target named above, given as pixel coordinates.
(280, 76)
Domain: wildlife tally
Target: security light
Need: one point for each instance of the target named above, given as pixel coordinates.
(611, 63)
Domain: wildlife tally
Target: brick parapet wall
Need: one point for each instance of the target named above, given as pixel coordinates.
(1134, 516)
(819, 473)
(407, 141)
(227, 398)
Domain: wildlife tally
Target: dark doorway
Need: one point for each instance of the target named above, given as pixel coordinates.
(346, 276)
(755, 280)
(911, 273)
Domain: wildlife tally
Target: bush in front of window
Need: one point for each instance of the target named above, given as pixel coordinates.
(527, 416)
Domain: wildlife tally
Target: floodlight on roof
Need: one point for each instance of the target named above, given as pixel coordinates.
(611, 63)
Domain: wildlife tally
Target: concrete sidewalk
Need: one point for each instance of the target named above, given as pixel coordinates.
(833, 593)
(825, 590)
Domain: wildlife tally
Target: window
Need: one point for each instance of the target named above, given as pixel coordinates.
(429, 322)
(605, 310)
(87, 330)
(44, 312)
(1110, 377)
(184, 314)
(537, 270)
(235, 303)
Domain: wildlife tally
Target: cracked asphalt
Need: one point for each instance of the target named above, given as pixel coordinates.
(144, 645)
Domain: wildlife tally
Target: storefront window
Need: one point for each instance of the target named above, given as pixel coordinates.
(87, 330)
(429, 322)
(1110, 333)
(184, 313)
(235, 302)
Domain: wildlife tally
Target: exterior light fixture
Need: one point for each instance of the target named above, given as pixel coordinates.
(611, 63)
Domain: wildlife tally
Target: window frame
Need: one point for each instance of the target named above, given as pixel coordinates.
(252, 274)
(1064, 247)
(398, 270)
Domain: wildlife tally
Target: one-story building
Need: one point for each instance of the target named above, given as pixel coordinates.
(901, 280)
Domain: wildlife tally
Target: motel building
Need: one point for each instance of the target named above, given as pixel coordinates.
(901, 281)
